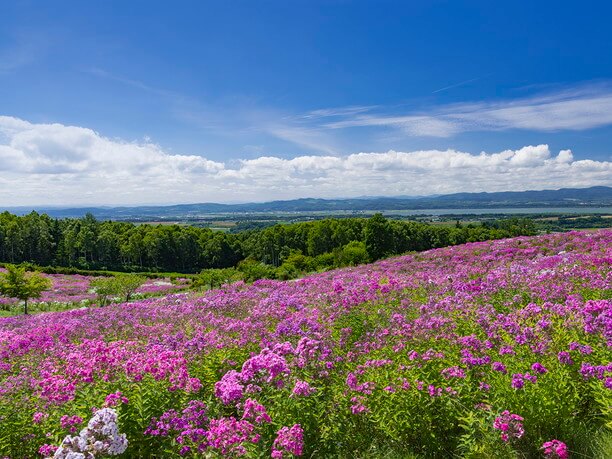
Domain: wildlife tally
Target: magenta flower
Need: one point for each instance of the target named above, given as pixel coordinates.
(358, 406)
(47, 450)
(539, 368)
(510, 425)
(498, 366)
(231, 436)
(518, 381)
(555, 449)
(254, 411)
(453, 372)
(288, 440)
(39, 417)
(70, 423)
(230, 387)
(302, 389)
(115, 399)
(433, 326)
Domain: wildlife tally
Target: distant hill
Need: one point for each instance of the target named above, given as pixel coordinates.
(599, 196)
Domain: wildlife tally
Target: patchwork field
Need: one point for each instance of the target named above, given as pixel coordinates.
(489, 349)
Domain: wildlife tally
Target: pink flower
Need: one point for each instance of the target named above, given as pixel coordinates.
(288, 440)
(539, 368)
(555, 449)
(510, 425)
(254, 411)
(39, 417)
(115, 399)
(230, 387)
(229, 435)
(358, 407)
(302, 388)
(47, 450)
(70, 422)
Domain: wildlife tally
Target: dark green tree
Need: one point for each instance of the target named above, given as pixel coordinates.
(352, 254)
(378, 237)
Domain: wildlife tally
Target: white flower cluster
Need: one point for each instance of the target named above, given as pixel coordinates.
(101, 437)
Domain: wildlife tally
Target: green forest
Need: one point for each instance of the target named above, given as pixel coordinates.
(87, 243)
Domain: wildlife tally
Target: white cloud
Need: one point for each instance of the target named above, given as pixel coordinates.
(56, 164)
(340, 111)
(310, 138)
(575, 109)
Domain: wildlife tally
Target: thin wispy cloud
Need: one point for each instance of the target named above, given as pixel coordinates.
(461, 83)
(182, 107)
(328, 130)
(20, 50)
(225, 119)
(340, 111)
(101, 73)
(573, 109)
(313, 139)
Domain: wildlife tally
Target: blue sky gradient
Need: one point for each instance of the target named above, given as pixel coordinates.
(233, 81)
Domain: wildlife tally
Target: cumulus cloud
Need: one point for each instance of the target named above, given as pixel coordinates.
(54, 164)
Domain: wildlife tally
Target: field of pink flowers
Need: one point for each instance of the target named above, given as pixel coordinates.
(75, 289)
(491, 349)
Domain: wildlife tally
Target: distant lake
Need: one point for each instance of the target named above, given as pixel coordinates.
(424, 212)
(505, 210)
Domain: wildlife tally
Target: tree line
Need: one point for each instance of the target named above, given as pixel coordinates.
(87, 243)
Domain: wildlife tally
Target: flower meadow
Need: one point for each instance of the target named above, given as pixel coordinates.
(69, 290)
(489, 349)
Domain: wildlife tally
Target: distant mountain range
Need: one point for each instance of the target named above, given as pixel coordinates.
(599, 196)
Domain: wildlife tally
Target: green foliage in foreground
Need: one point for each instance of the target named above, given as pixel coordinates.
(414, 357)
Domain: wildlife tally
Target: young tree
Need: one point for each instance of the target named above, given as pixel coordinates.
(124, 285)
(127, 284)
(105, 287)
(16, 283)
(254, 270)
(215, 277)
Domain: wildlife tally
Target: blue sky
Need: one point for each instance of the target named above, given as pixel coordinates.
(230, 94)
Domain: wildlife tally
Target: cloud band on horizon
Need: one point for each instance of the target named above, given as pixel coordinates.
(51, 164)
